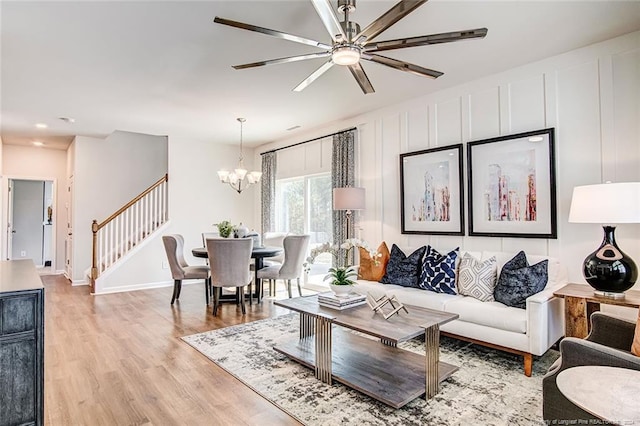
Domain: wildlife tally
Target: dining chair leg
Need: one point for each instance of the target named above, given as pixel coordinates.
(242, 300)
(237, 296)
(299, 288)
(250, 294)
(289, 288)
(206, 290)
(176, 290)
(215, 300)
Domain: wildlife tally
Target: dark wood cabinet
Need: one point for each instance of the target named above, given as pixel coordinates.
(21, 344)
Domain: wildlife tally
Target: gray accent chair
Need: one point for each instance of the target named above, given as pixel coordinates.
(180, 269)
(229, 262)
(608, 344)
(295, 250)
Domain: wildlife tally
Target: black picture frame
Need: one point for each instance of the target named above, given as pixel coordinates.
(512, 186)
(434, 206)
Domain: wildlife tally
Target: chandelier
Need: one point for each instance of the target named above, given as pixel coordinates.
(236, 178)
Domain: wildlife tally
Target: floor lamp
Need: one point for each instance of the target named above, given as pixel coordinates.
(348, 199)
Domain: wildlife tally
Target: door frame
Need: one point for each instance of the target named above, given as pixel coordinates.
(4, 242)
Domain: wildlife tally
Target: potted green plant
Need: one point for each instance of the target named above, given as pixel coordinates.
(225, 228)
(341, 279)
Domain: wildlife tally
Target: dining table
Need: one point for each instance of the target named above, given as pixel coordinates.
(258, 254)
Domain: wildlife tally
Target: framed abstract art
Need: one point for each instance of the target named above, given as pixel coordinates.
(431, 191)
(512, 186)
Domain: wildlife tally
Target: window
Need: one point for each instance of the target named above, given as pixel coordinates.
(303, 206)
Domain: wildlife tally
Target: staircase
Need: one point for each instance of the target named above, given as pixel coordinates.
(127, 228)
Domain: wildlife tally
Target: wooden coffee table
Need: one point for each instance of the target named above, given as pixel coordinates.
(374, 367)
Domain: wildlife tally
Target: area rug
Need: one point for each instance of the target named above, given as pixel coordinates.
(488, 389)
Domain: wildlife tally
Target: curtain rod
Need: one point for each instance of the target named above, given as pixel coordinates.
(310, 140)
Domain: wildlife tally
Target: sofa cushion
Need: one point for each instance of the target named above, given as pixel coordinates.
(518, 281)
(477, 279)
(490, 314)
(403, 270)
(407, 296)
(368, 269)
(439, 271)
(557, 273)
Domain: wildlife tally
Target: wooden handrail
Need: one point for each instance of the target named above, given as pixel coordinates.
(102, 224)
(95, 227)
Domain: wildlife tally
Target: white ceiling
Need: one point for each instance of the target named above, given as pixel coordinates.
(164, 68)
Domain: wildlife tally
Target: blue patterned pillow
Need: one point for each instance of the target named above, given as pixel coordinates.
(403, 270)
(518, 281)
(439, 271)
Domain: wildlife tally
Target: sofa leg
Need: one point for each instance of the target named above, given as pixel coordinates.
(528, 364)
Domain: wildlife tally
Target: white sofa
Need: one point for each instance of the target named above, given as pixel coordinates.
(526, 332)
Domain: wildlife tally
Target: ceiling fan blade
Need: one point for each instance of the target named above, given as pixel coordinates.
(361, 77)
(402, 66)
(317, 73)
(283, 60)
(393, 15)
(329, 19)
(380, 46)
(273, 33)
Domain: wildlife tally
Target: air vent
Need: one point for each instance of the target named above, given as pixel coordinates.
(293, 128)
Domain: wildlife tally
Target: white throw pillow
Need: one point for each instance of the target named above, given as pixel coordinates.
(477, 279)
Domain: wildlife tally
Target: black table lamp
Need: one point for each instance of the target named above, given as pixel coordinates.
(608, 269)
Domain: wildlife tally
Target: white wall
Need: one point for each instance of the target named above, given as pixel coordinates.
(107, 174)
(590, 95)
(197, 200)
(45, 164)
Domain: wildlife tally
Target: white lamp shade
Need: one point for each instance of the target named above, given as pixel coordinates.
(224, 176)
(608, 203)
(348, 198)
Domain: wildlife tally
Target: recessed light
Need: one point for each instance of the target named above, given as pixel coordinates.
(41, 126)
(293, 128)
(535, 139)
(38, 143)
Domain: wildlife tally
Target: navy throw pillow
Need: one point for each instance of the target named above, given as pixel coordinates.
(519, 280)
(439, 271)
(403, 270)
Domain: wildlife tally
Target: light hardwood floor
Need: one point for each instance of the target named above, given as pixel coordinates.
(118, 360)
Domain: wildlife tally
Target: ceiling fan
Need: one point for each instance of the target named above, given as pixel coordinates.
(349, 44)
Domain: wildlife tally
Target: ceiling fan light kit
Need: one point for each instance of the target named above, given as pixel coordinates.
(346, 55)
(350, 45)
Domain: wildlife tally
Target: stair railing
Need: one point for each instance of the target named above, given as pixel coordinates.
(128, 226)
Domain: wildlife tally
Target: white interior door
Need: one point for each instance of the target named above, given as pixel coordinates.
(27, 226)
(68, 245)
(10, 220)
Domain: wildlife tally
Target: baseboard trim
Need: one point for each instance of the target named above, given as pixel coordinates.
(145, 286)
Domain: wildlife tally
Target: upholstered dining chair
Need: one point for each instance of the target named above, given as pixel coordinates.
(229, 263)
(207, 235)
(295, 250)
(180, 269)
(274, 239)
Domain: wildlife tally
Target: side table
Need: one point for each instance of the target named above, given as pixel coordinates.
(580, 302)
